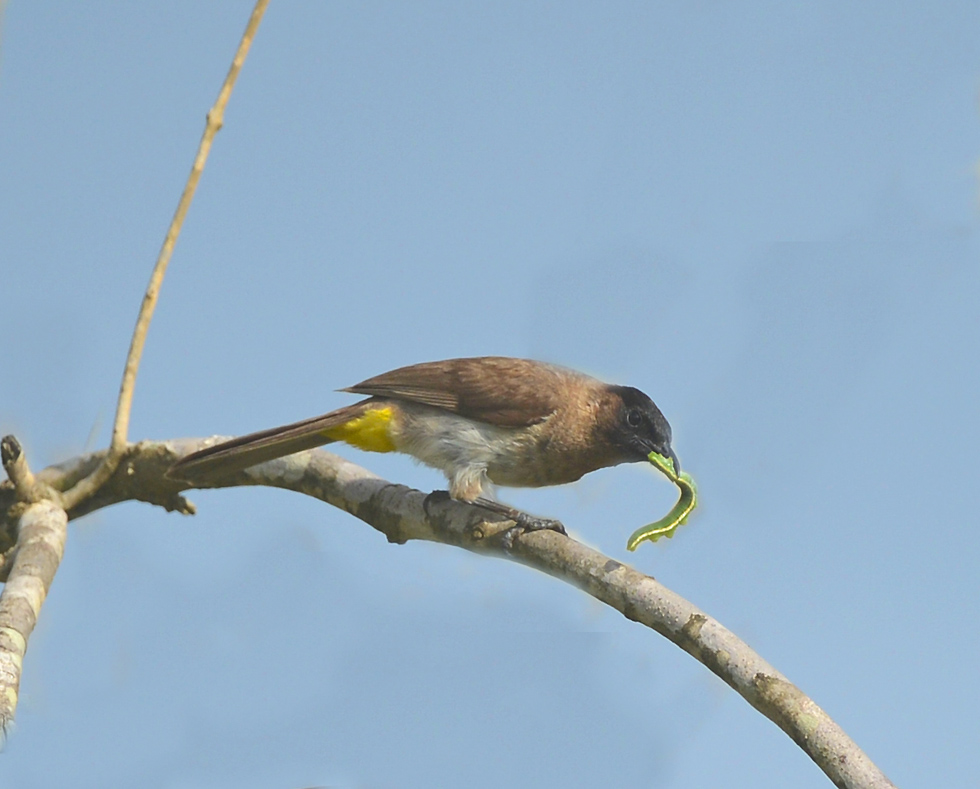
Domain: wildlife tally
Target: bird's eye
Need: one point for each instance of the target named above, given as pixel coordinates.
(634, 418)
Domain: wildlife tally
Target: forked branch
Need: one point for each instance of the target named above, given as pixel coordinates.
(120, 428)
(34, 515)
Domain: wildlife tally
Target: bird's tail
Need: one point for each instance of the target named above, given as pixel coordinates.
(245, 451)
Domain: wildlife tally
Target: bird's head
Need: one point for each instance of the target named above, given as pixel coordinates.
(639, 428)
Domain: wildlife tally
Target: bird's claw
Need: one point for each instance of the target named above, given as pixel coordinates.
(528, 523)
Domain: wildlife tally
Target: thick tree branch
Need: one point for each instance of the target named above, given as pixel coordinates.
(43, 527)
(403, 514)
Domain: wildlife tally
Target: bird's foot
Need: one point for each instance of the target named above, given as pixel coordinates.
(525, 522)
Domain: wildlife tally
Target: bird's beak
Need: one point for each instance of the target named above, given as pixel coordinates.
(673, 456)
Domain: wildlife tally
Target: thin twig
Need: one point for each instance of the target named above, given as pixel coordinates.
(120, 428)
(42, 530)
(403, 514)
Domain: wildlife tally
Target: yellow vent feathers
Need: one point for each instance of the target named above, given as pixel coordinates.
(370, 432)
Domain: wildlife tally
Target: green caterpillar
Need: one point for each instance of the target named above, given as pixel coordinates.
(666, 526)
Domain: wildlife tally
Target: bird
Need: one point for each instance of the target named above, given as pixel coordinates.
(483, 421)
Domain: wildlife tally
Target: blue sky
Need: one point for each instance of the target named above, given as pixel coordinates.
(762, 214)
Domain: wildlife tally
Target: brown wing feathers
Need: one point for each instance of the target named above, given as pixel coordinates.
(493, 389)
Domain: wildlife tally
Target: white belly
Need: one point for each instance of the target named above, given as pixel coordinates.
(462, 449)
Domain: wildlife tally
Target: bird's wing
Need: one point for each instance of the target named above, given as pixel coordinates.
(493, 389)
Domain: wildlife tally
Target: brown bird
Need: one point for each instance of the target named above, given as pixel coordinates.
(483, 421)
